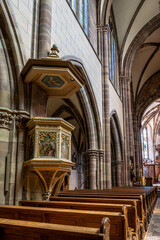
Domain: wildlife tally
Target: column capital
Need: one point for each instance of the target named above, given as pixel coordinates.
(98, 26)
(125, 79)
(101, 153)
(106, 28)
(118, 163)
(20, 119)
(6, 118)
(92, 153)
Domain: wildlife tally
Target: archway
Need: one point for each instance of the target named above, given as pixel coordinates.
(81, 110)
(116, 151)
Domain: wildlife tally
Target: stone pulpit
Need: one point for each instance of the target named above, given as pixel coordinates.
(48, 152)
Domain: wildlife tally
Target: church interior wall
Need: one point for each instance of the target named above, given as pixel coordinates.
(23, 13)
(116, 104)
(71, 40)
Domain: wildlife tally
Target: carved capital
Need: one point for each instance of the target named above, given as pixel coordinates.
(99, 27)
(118, 163)
(106, 28)
(125, 79)
(6, 118)
(92, 153)
(21, 119)
(101, 153)
(46, 196)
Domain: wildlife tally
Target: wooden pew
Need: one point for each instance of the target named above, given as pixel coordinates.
(109, 207)
(109, 193)
(149, 195)
(140, 207)
(118, 222)
(18, 230)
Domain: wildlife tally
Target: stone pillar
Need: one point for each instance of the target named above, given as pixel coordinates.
(20, 124)
(99, 45)
(34, 44)
(45, 21)
(128, 126)
(5, 123)
(113, 173)
(138, 148)
(107, 144)
(92, 177)
(118, 154)
(119, 173)
(101, 167)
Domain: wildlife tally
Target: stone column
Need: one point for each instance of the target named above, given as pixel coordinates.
(119, 173)
(138, 147)
(45, 21)
(128, 125)
(34, 44)
(20, 124)
(99, 45)
(107, 156)
(5, 123)
(118, 156)
(101, 167)
(92, 159)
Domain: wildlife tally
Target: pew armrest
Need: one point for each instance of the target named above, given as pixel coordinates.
(105, 228)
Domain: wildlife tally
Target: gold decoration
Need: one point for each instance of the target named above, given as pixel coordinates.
(47, 144)
(47, 176)
(43, 135)
(30, 151)
(65, 146)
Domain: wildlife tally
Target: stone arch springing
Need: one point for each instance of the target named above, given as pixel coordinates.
(15, 52)
(116, 150)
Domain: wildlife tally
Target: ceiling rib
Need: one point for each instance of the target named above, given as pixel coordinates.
(144, 69)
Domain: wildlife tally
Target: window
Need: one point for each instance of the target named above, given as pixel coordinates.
(86, 16)
(144, 140)
(113, 57)
(80, 7)
(81, 12)
(74, 5)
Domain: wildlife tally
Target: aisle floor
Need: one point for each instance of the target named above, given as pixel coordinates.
(154, 227)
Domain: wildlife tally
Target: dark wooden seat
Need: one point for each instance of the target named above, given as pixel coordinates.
(140, 203)
(119, 228)
(109, 207)
(146, 197)
(18, 230)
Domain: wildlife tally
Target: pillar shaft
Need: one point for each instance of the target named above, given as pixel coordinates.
(128, 126)
(45, 21)
(92, 162)
(101, 167)
(20, 159)
(108, 180)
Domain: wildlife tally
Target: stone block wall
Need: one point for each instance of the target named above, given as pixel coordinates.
(67, 33)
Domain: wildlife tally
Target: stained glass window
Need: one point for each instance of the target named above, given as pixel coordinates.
(74, 5)
(144, 140)
(86, 16)
(81, 12)
(112, 53)
(80, 8)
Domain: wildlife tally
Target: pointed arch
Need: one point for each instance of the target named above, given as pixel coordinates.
(116, 150)
(89, 106)
(16, 55)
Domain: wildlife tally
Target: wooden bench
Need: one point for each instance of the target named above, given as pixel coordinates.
(149, 195)
(118, 222)
(140, 207)
(18, 230)
(109, 207)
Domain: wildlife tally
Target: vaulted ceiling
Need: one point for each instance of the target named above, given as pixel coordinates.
(130, 17)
